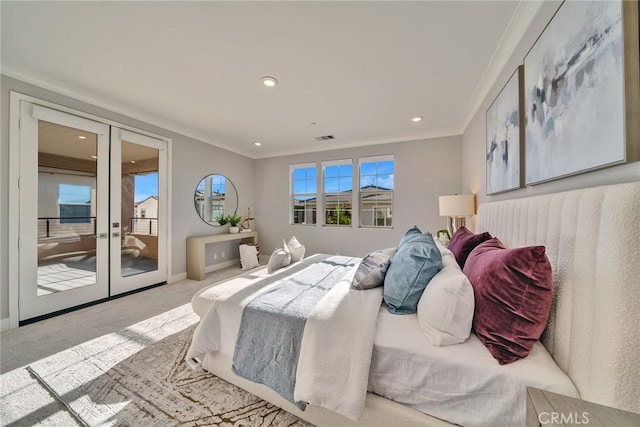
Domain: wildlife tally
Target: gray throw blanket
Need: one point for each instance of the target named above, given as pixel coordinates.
(272, 325)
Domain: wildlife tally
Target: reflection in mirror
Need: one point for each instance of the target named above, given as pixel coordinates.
(215, 196)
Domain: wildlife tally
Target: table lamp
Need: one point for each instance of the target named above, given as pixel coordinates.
(456, 208)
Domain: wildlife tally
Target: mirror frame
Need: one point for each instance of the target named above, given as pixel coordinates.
(227, 182)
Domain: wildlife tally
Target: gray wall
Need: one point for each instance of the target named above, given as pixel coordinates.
(424, 170)
(474, 139)
(192, 160)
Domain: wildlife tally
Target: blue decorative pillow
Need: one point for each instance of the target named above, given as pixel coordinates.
(372, 269)
(411, 233)
(412, 267)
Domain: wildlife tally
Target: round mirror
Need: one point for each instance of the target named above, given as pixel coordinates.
(215, 197)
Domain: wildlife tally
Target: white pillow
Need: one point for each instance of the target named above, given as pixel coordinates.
(444, 251)
(296, 248)
(445, 310)
(248, 257)
(281, 257)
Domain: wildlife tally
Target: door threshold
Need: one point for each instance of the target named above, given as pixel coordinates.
(88, 304)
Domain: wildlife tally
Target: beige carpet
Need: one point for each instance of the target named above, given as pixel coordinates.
(24, 401)
(137, 377)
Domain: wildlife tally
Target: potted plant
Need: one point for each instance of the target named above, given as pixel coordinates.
(443, 237)
(221, 219)
(233, 221)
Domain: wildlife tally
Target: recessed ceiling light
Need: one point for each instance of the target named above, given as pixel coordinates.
(269, 81)
(416, 119)
(133, 161)
(82, 137)
(94, 157)
(257, 144)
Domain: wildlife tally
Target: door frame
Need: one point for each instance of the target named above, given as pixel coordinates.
(14, 187)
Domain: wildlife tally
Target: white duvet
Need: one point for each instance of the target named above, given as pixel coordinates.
(335, 356)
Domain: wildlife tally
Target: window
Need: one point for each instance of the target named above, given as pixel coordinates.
(74, 204)
(143, 213)
(338, 192)
(304, 194)
(219, 195)
(376, 191)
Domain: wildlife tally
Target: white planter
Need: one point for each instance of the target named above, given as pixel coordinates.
(234, 230)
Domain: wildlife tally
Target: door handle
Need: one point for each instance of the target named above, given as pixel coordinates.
(103, 235)
(115, 234)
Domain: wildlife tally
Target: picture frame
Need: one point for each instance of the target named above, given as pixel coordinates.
(582, 90)
(505, 137)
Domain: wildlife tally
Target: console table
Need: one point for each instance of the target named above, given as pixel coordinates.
(196, 245)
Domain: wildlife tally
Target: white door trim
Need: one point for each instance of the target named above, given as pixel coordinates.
(14, 193)
(14, 207)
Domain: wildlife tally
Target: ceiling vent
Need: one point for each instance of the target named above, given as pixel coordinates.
(324, 138)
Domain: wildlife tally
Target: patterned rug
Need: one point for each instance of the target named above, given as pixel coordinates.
(137, 377)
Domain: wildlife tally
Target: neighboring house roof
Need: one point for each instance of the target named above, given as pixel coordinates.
(142, 201)
(372, 192)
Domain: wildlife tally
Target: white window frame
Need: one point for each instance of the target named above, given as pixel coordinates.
(361, 215)
(324, 193)
(293, 195)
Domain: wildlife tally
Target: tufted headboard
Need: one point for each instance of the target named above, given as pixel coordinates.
(592, 238)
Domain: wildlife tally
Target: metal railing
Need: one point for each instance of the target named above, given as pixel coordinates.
(60, 225)
(53, 226)
(148, 226)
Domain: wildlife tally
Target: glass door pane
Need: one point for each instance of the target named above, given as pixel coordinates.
(139, 209)
(67, 209)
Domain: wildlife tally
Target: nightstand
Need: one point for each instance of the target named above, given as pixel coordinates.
(545, 408)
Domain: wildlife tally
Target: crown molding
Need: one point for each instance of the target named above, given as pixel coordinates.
(518, 26)
(133, 114)
(329, 146)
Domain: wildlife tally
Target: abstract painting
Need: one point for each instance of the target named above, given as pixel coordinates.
(574, 92)
(504, 138)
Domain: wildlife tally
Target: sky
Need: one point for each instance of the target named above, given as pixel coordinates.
(339, 178)
(74, 193)
(145, 186)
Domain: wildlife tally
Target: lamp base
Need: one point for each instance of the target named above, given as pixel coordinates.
(454, 223)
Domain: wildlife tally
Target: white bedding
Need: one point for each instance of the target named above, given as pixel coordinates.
(461, 383)
(334, 379)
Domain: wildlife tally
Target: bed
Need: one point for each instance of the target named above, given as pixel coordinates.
(589, 349)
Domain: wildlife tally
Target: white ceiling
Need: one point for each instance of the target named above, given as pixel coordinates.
(359, 70)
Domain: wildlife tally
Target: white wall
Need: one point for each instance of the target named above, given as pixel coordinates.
(192, 160)
(474, 139)
(424, 170)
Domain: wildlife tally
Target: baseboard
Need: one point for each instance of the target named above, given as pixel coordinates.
(177, 277)
(221, 265)
(4, 324)
(208, 269)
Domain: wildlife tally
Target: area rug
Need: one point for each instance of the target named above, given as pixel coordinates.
(138, 377)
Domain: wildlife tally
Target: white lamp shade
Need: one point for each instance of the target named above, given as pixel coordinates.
(457, 205)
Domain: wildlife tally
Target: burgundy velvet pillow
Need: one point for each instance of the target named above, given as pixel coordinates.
(463, 242)
(513, 289)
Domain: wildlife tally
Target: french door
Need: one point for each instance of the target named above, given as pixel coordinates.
(138, 211)
(82, 187)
